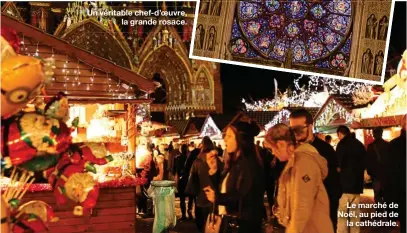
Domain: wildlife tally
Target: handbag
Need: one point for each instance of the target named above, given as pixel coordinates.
(213, 222)
(222, 223)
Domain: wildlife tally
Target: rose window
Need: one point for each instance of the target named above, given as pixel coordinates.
(294, 31)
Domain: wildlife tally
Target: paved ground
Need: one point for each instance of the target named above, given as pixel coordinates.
(146, 225)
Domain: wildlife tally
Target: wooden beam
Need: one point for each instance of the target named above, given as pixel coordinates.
(80, 54)
(109, 101)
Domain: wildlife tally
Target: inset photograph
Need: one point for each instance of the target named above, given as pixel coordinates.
(338, 38)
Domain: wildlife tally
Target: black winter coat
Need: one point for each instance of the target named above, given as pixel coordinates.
(331, 182)
(245, 186)
(199, 178)
(377, 155)
(351, 156)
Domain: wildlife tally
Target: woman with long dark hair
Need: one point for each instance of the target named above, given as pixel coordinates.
(201, 176)
(241, 194)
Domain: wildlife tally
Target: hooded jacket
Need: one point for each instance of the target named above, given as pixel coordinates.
(303, 205)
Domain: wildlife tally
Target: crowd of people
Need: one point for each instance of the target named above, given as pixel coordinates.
(306, 180)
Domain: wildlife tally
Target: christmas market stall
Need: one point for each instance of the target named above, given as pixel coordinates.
(388, 109)
(69, 164)
(337, 110)
(214, 126)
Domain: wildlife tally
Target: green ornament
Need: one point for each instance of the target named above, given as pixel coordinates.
(40, 163)
(90, 168)
(14, 203)
(109, 158)
(75, 122)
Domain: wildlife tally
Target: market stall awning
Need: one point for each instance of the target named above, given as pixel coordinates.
(383, 122)
(46, 45)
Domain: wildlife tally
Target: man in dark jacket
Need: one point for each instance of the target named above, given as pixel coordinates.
(301, 122)
(395, 183)
(377, 154)
(351, 155)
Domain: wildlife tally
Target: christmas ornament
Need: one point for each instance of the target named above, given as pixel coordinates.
(10, 35)
(70, 182)
(28, 135)
(41, 163)
(22, 78)
(40, 209)
(58, 107)
(23, 223)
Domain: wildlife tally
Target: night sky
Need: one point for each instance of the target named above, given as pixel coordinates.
(252, 83)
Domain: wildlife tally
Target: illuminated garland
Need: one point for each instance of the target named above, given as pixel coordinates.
(281, 117)
(307, 95)
(330, 112)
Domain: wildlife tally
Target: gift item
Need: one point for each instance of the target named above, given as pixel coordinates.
(71, 182)
(23, 223)
(58, 107)
(22, 78)
(28, 135)
(40, 209)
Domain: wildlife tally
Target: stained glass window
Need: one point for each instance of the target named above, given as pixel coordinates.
(301, 32)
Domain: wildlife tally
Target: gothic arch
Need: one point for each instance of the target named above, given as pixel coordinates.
(203, 85)
(180, 49)
(173, 70)
(99, 41)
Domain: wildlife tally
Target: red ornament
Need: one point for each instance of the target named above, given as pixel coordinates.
(28, 223)
(31, 134)
(12, 38)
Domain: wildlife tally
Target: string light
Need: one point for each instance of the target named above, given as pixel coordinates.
(36, 51)
(306, 95)
(331, 112)
(66, 72)
(93, 76)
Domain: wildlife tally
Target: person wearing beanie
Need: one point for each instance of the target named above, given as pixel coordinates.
(241, 193)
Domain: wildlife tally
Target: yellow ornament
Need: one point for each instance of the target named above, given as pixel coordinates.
(22, 78)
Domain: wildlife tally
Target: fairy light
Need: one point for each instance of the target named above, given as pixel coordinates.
(331, 112)
(93, 76)
(281, 117)
(301, 96)
(24, 48)
(66, 72)
(36, 51)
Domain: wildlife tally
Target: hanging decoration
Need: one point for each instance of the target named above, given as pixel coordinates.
(332, 114)
(282, 117)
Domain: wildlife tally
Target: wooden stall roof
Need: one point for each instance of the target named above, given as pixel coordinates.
(79, 73)
(194, 126)
(261, 117)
